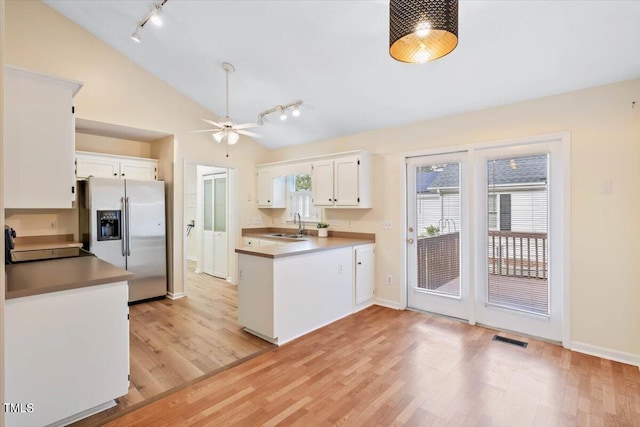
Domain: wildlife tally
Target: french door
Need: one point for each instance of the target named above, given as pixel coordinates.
(515, 199)
(437, 234)
(519, 239)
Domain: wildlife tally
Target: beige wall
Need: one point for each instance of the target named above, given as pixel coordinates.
(119, 92)
(605, 229)
(42, 222)
(2, 284)
(107, 145)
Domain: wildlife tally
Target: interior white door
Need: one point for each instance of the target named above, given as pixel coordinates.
(220, 239)
(519, 241)
(207, 224)
(437, 236)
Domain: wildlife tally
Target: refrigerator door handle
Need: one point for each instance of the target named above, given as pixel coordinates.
(124, 229)
(126, 221)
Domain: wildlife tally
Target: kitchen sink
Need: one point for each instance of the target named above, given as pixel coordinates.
(287, 236)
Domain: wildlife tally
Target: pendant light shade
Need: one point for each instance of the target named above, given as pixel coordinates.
(422, 30)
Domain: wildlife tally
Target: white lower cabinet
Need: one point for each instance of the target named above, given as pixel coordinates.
(280, 299)
(66, 353)
(364, 273)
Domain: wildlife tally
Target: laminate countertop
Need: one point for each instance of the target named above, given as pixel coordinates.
(41, 277)
(290, 247)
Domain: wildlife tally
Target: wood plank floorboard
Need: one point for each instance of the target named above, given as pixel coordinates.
(383, 367)
(175, 342)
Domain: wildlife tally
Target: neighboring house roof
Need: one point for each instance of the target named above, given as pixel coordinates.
(424, 180)
(502, 171)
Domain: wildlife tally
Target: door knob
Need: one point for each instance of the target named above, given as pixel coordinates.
(410, 241)
(410, 229)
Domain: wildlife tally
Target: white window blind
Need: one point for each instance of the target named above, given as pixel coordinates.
(517, 242)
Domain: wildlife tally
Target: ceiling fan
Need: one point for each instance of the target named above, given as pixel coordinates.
(226, 130)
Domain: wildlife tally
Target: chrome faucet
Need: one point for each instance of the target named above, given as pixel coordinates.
(300, 223)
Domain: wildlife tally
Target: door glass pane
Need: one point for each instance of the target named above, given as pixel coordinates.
(438, 234)
(220, 205)
(208, 218)
(517, 241)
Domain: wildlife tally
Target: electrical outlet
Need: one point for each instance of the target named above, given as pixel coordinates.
(348, 223)
(248, 197)
(257, 220)
(340, 268)
(386, 224)
(389, 281)
(273, 221)
(53, 225)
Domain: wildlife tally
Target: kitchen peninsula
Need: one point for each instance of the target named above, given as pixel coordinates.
(66, 325)
(294, 286)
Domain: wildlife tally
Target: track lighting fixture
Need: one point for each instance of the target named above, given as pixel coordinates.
(154, 15)
(282, 111)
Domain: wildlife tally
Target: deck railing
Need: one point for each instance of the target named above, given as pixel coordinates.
(438, 260)
(520, 254)
(510, 253)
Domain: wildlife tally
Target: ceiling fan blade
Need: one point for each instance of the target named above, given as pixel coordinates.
(213, 123)
(205, 130)
(251, 134)
(246, 126)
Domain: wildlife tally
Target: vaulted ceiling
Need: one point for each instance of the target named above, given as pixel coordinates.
(334, 56)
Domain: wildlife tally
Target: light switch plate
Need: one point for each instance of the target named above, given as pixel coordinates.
(386, 224)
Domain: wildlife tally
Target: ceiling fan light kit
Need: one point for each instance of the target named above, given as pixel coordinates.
(154, 15)
(422, 30)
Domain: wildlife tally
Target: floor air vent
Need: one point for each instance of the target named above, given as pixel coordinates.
(510, 341)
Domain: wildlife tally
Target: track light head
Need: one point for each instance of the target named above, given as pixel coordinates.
(296, 111)
(283, 113)
(156, 15)
(136, 36)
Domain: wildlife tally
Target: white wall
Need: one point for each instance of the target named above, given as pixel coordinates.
(605, 146)
(190, 200)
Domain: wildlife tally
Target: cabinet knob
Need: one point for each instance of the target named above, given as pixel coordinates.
(330, 200)
(115, 174)
(268, 201)
(122, 174)
(359, 263)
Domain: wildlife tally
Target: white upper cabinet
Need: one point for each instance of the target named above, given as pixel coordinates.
(271, 189)
(343, 181)
(39, 140)
(109, 166)
(322, 183)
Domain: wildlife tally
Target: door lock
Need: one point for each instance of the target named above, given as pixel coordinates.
(410, 241)
(410, 229)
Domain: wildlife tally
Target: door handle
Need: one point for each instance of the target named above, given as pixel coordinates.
(410, 241)
(127, 212)
(123, 228)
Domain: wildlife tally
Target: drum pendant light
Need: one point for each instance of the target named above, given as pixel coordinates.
(422, 30)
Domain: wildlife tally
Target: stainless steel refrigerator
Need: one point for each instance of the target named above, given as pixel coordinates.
(124, 224)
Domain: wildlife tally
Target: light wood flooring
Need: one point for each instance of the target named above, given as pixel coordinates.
(386, 367)
(174, 342)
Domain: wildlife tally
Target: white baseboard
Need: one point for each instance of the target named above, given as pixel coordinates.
(192, 258)
(606, 353)
(386, 303)
(176, 295)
